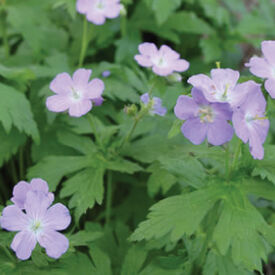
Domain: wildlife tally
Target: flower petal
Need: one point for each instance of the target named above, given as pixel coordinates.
(148, 49)
(80, 108)
(112, 10)
(185, 107)
(238, 96)
(81, 78)
(225, 78)
(181, 65)
(168, 53)
(268, 49)
(270, 86)
(259, 67)
(58, 103)
(205, 84)
(82, 6)
(144, 61)
(239, 124)
(219, 132)
(62, 84)
(162, 71)
(96, 18)
(54, 242)
(95, 89)
(23, 244)
(57, 217)
(194, 130)
(222, 111)
(13, 219)
(36, 204)
(19, 193)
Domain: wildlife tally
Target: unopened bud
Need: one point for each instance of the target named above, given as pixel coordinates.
(123, 11)
(131, 110)
(175, 77)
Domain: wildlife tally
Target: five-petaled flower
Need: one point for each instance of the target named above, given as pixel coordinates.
(38, 222)
(76, 94)
(97, 11)
(264, 67)
(164, 61)
(156, 104)
(222, 86)
(204, 119)
(250, 123)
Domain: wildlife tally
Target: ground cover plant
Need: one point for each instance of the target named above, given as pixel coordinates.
(137, 137)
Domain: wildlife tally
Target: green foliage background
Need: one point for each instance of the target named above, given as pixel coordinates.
(198, 223)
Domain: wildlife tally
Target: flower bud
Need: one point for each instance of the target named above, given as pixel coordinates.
(175, 77)
(123, 11)
(131, 110)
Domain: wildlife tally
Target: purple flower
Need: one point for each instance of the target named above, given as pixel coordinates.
(222, 86)
(250, 123)
(163, 61)
(156, 102)
(265, 67)
(204, 119)
(21, 189)
(97, 11)
(38, 223)
(106, 73)
(75, 94)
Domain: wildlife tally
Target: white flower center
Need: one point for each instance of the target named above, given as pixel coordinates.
(36, 226)
(221, 95)
(100, 5)
(76, 94)
(160, 62)
(206, 114)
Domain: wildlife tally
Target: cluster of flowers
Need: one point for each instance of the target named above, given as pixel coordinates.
(35, 220)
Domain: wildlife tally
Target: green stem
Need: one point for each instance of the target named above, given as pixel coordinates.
(21, 163)
(4, 32)
(227, 157)
(13, 172)
(94, 128)
(123, 26)
(83, 43)
(130, 133)
(109, 198)
(236, 158)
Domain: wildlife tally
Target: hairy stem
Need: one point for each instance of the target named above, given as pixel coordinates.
(83, 43)
(109, 198)
(235, 158)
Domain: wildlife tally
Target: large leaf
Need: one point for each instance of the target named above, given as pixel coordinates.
(85, 188)
(15, 110)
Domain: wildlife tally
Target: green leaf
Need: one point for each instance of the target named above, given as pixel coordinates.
(159, 180)
(86, 188)
(163, 9)
(239, 228)
(15, 110)
(10, 143)
(175, 129)
(54, 168)
(259, 188)
(211, 48)
(83, 238)
(186, 167)
(134, 260)
(122, 165)
(221, 265)
(186, 21)
(265, 168)
(101, 261)
(164, 216)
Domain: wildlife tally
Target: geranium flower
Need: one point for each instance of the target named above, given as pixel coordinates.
(222, 86)
(97, 11)
(264, 67)
(76, 94)
(163, 61)
(156, 107)
(21, 189)
(38, 223)
(250, 123)
(204, 119)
